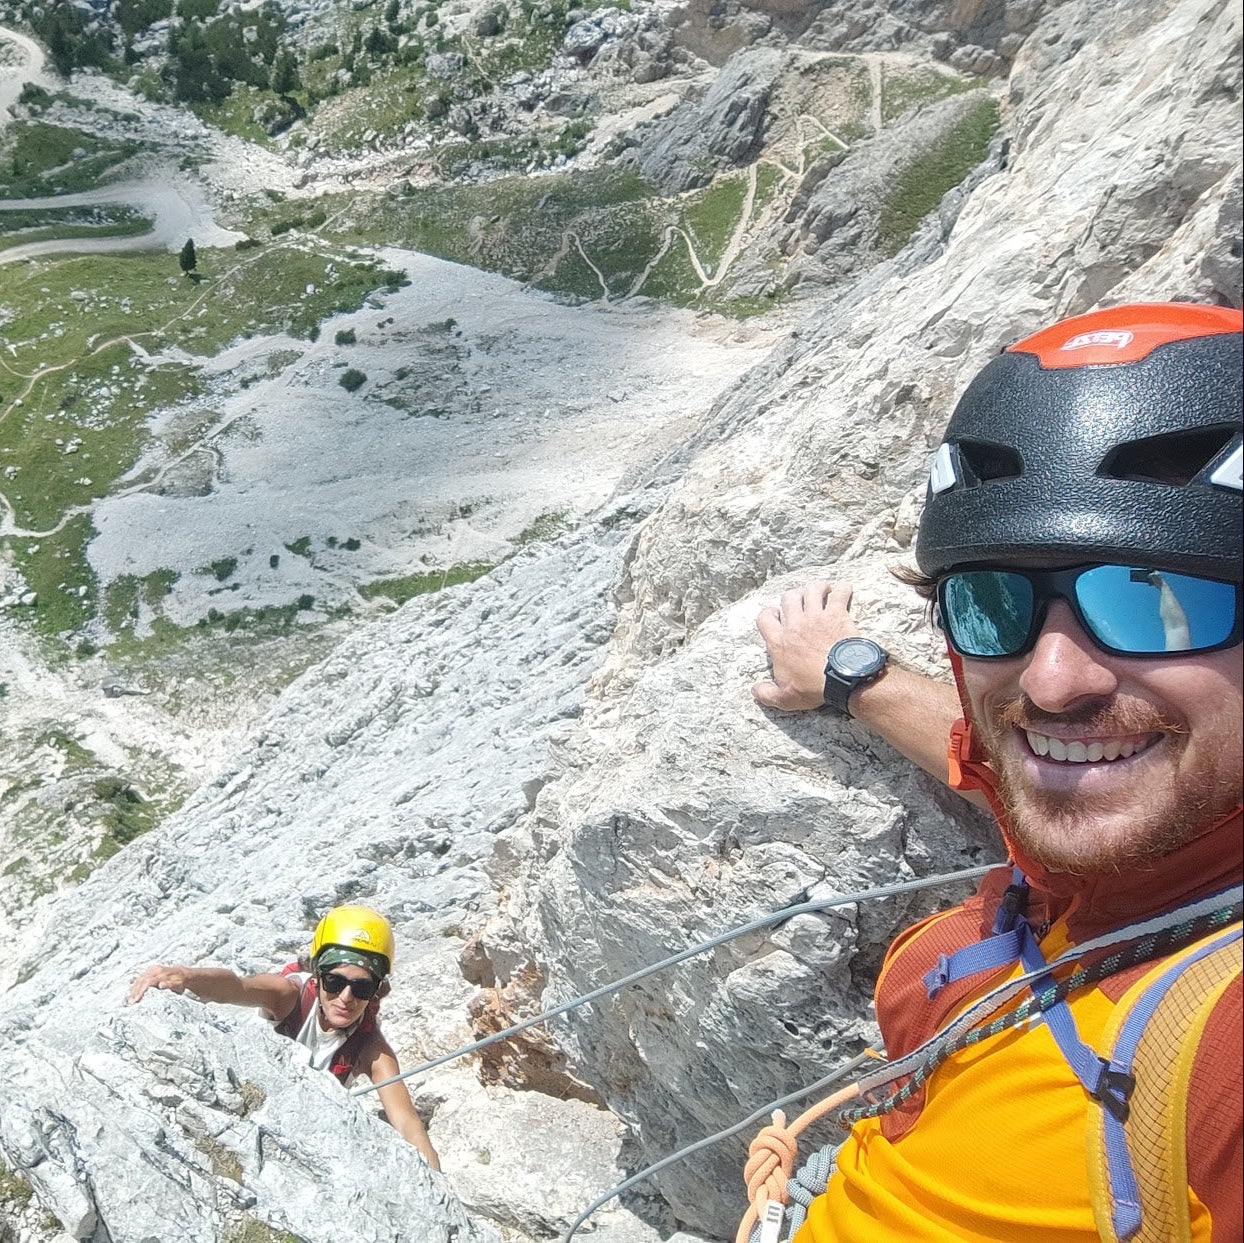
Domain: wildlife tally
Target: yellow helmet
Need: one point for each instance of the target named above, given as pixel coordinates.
(354, 934)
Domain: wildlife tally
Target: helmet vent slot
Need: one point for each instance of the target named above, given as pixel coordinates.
(1173, 460)
(984, 461)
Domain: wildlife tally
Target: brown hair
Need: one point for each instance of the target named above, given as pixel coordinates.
(925, 586)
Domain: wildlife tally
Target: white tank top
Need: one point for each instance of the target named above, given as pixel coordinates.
(322, 1044)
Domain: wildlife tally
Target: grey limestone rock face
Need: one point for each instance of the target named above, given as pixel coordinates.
(855, 402)
(155, 1135)
(383, 777)
(837, 211)
(983, 36)
(686, 811)
(1223, 264)
(683, 149)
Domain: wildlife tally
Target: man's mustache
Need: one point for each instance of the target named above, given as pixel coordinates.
(1114, 716)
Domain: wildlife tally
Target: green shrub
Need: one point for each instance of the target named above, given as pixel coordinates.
(14, 1189)
(352, 379)
(34, 94)
(399, 590)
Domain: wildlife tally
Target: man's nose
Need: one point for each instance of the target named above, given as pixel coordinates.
(1065, 665)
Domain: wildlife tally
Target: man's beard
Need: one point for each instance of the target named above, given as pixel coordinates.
(1067, 830)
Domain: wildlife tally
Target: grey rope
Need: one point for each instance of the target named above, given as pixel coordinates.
(1214, 906)
(781, 915)
(809, 1182)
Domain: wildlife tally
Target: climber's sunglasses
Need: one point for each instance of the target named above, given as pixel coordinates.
(1126, 610)
(333, 982)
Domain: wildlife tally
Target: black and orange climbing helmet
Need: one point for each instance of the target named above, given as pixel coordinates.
(1111, 437)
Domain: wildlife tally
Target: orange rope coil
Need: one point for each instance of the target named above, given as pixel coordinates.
(771, 1158)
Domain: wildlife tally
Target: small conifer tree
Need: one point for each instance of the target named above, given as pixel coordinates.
(188, 259)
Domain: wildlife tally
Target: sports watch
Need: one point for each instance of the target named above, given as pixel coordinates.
(852, 663)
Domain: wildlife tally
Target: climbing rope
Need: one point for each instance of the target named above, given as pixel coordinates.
(781, 915)
(1217, 910)
(1147, 948)
(771, 1162)
(772, 1108)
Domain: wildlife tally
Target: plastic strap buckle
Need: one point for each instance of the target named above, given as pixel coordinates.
(1013, 905)
(1114, 1089)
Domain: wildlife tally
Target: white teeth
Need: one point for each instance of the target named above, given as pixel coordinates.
(1081, 752)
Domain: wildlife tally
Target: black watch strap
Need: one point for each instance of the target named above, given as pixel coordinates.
(851, 663)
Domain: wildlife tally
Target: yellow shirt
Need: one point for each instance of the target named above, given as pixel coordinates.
(996, 1156)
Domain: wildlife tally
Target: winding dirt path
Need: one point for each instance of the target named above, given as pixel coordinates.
(21, 61)
(178, 207)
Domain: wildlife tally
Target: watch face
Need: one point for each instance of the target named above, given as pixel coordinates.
(856, 658)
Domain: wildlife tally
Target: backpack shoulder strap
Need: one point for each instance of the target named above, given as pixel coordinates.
(1137, 1155)
(292, 1023)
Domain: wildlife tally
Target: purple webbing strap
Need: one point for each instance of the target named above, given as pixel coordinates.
(999, 950)
(1090, 1069)
(996, 951)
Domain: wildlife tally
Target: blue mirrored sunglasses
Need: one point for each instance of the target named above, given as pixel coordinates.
(1127, 610)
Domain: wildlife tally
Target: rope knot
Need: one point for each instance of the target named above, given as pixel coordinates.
(770, 1160)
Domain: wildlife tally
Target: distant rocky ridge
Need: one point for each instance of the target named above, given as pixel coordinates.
(679, 92)
(558, 774)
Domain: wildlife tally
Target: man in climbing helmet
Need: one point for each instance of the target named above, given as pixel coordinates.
(1081, 541)
(328, 1003)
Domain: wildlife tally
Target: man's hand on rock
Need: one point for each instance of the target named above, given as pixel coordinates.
(799, 633)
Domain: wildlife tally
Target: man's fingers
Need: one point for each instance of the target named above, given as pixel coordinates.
(840, 594)
(792, 603)
(768, 695)
(153, 977)
(814, 594)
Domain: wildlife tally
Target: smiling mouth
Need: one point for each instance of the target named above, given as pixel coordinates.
(1087, 751)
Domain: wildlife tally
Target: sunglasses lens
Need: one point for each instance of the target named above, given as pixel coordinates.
(1144, 612)
(333, 982)
(986, 612)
